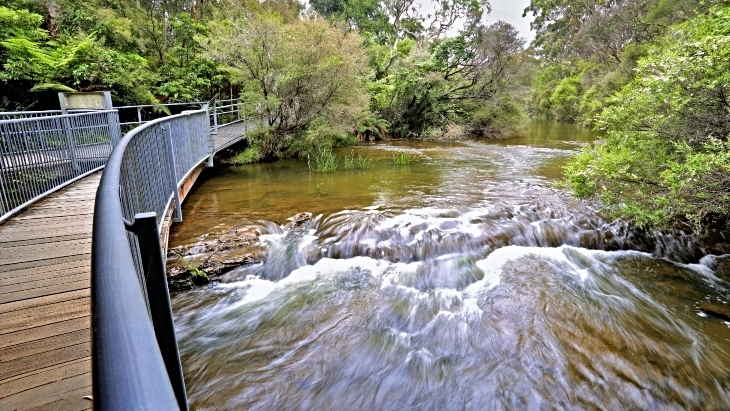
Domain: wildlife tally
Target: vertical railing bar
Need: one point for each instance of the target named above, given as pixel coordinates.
(215, 117)
(22, 166)
(11, 162)
(36, 160)
(65, 163)
(69, 143)
(26, 161)
(3, 170)
(158, 296)
(171, 157)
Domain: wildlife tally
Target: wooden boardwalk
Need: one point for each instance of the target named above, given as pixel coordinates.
(45, 264)
(45, 302)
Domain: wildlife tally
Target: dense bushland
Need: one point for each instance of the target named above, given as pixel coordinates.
(328, 74)
(589, 50)
(666, 152)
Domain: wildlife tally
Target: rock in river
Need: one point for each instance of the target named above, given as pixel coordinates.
(215, 254)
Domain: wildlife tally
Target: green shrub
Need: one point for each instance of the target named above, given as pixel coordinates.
(666, 153)
(196, 273)
(503, 118)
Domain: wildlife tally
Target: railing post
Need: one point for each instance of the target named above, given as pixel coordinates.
(209, 163)
(158, 296)
(4, 202)
(215, 116)
(67, 132)
(115, 129)
(177, 215)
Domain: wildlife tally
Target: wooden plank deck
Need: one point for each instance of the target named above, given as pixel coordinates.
(45, 258)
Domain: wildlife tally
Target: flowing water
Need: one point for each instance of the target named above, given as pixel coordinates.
(462, 281)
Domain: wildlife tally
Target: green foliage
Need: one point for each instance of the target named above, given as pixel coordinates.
(441, 83)
(565, 98)
(590, 50)
(186, 75)
(87, 64)
(370, 128)
(247, 156)
(366, 16)
(21, 54)
(196, 273)
(322, 160)
(306, 78)
(358, 162)
(142, 52)
(402, 158)
(503, 117)
(666, 151)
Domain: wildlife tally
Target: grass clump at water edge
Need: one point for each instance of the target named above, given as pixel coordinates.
(358, 162)
(402, 158)
(322, 160)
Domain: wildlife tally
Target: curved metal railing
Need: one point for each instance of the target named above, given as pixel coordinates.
(43, 152)
(135, 361)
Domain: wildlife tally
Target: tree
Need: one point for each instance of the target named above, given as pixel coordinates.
(306, 79)
(599, 42)
(368, 17)
(437, 88)
(187, 75)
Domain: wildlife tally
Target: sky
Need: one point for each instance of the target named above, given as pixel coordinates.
(511, 12)
(506, 10)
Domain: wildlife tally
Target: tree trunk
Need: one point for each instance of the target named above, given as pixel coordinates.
(54, 19)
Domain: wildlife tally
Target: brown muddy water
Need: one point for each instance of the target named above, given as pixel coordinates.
(463, 281)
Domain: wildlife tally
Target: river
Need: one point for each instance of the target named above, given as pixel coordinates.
(462, 281)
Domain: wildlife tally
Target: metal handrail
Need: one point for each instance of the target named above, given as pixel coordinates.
(163, 105)
(42, 154)
(12, 115)
(218, 110)
(135, 360)
(140, 107)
